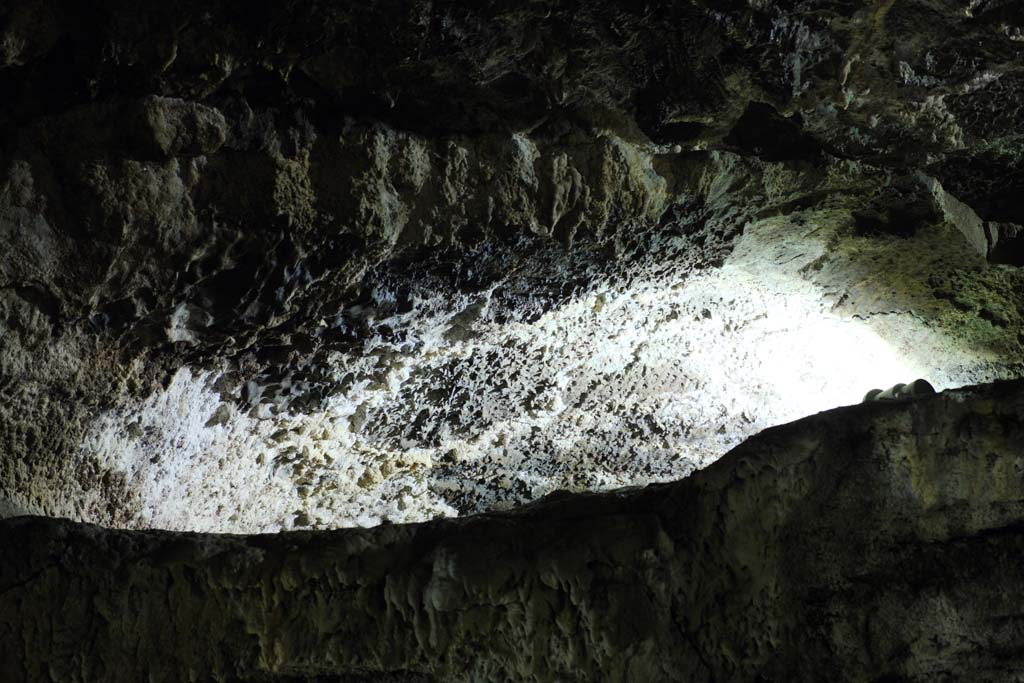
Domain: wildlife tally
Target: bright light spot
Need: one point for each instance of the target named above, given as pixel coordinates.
(814, 365)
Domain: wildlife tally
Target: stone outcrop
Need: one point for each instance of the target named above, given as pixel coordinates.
(873, 542)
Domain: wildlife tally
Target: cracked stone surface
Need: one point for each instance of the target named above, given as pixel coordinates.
(874, 542)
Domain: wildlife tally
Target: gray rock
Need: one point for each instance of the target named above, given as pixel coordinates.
(289, 264)
(872, 541)
(272, 195)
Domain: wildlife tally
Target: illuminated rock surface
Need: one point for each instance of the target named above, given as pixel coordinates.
(873, 542)
(299, 265)
(289, 266)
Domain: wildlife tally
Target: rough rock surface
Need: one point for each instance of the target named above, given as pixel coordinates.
(872, 542)
(269, 265)
(296, 264)
(300, 265)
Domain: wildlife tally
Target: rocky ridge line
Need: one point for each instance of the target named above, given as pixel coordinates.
(877, 541)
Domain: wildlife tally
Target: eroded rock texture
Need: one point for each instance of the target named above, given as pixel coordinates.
(873, 542)
(298, 264)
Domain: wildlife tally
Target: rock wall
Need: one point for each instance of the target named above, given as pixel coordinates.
(873, 542)
(277, 265)
(298, 266)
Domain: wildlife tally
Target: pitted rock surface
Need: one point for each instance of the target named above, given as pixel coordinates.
(279, 265)
(872, 542)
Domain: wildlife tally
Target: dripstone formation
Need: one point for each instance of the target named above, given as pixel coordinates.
(304, 266)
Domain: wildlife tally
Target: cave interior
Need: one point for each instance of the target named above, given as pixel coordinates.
(416, 340)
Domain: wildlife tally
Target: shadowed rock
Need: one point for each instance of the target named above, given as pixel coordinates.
(874, 542)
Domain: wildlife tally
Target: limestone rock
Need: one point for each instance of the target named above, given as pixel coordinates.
(179, 128)
(873, 541)
(279, 265)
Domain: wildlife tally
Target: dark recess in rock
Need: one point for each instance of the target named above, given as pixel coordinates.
(762, 132)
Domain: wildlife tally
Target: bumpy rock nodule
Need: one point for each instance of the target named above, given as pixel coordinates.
(872, 542)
